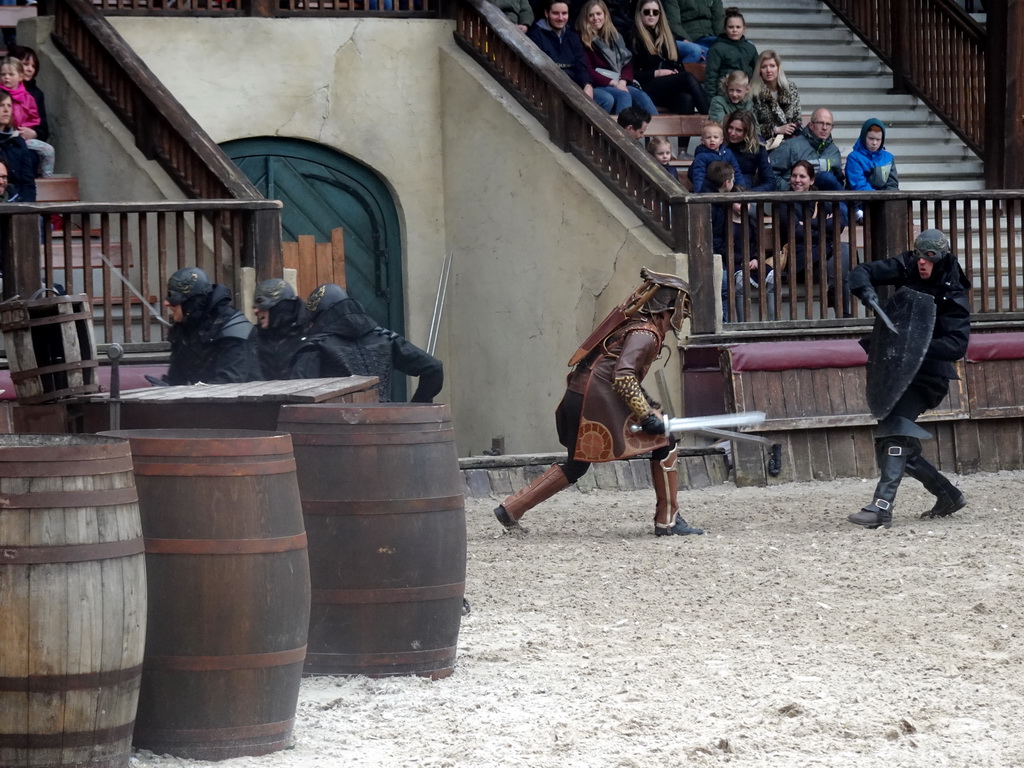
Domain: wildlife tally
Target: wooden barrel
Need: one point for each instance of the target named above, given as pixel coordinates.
(72, 601)
(228, 591)
(384, 509)
(50, 348)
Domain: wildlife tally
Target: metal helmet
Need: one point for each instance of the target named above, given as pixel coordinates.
(672, 293)
(272, 292)
(185, 284)
(324, 297)
(934, 242)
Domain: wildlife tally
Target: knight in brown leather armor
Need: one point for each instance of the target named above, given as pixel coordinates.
(604, 398)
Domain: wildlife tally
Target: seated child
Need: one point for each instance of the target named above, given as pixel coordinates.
(712, 147)
(661, 148)
(30, 62)
(734, 96)
(870, 166)
(26, 112)
(722, 178)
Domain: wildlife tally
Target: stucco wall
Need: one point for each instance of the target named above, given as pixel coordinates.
(542, 249)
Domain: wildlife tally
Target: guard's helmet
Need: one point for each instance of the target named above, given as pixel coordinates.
(931, 245)
(185, 284)
(672, 293)
(324, 297)
(272, 292)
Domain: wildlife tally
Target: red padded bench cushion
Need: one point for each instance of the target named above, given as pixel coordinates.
(995, 346)
(132, 377)
(787, 355)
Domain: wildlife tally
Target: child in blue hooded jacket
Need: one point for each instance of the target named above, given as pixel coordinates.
(870, 166)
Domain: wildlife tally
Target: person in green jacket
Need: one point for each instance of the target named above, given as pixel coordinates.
(519, 12)
(698, 22)
(730, 52)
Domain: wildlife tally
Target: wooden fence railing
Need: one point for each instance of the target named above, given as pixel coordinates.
(574, 122)
(88, 248)
(935, 50)
(985, 229)
(163, 130)
(269, 8)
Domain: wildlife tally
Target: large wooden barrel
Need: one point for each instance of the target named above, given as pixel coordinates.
(50, 347)
(228, 591)
(72, 601)
(384, 509)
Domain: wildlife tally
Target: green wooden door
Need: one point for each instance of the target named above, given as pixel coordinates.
(321, 190)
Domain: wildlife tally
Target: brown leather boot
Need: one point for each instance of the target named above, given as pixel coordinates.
(544, 487)
(667, 520)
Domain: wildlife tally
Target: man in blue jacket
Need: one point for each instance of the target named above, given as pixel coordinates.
(559, 41)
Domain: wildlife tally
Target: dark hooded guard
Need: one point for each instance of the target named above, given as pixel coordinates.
(604, 397)
(278, 343)
(933, 270)
(211, 344)
(344, 340)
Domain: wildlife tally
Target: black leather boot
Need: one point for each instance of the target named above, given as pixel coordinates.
(948, 498)
(892, 461)
(544, 487)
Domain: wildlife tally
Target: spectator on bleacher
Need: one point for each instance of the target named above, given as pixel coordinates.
(634, 121)
(657, 66)
(26, 113)
(731, 52)
(559, 41)
(735, 96)
(22, 163)
(721, 177)
(776, 100)
(712, 147)
(661, 149)
(609, 61)
(815, 240)
(281, 322)
(211, 341)
(814, 144)
(519, 12)
(30, 61)
(3, 183)
(695, 24)
(752, 157)
(870, 166)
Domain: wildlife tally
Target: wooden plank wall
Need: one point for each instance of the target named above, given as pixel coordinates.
(316, 263)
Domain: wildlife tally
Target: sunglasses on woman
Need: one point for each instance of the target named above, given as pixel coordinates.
(651, 12)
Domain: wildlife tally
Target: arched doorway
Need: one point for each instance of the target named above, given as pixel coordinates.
(321, 190)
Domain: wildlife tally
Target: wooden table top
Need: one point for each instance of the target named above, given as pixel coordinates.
(281, 391)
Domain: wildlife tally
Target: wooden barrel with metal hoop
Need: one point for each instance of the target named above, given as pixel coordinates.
(228, 590)
(383, 501)
(72, 601)
(50, 348)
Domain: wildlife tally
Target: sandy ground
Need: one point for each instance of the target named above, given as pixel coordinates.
(783, 637)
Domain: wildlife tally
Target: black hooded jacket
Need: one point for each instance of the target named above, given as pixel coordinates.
(343, 340)
(213, 343)
(277, 345)
(948, 285)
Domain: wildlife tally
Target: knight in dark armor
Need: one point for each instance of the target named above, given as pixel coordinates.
(604, 398)
(281, 321)
(935, 343)
(210, 339)
(344, 340)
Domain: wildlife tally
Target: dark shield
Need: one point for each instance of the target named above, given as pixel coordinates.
(894, 358)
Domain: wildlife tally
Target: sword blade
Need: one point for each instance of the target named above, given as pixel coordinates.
(885, 318)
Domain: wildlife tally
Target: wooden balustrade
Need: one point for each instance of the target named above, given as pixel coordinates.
(268, 8)
(984, 228)
(163, 129)
(574, 122)
(87, 247)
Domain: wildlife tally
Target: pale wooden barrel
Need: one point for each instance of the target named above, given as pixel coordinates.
(73, 597)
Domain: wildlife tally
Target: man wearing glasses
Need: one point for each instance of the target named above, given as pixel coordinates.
(815, 145)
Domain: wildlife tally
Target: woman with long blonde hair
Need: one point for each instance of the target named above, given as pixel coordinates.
(657, 66)
(609, 60)
(776, 100)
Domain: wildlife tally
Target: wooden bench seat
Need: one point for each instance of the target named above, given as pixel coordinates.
(57, 189)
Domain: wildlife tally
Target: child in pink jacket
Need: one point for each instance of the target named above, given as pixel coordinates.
(26, 113)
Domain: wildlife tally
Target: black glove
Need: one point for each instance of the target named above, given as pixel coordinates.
(652, 424)
(156, 382)
(866, 295)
